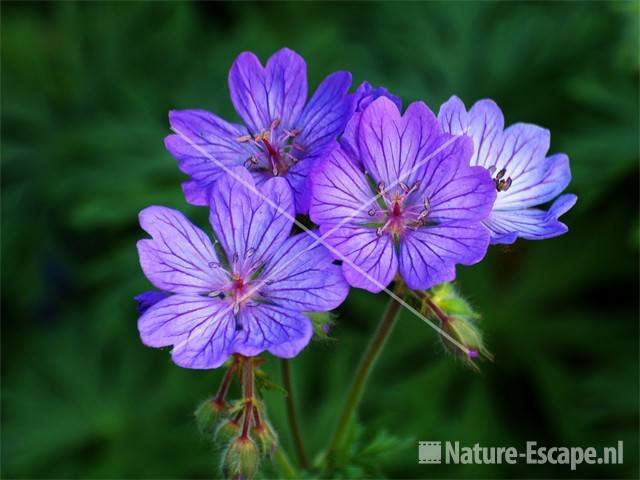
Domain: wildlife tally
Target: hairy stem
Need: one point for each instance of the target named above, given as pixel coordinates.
(367, 361)
(293, 417)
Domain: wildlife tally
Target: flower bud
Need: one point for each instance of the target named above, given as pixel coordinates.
(449, 300)
(241, 459)
(322, 323)
(266, 438)
(207, 415)
(468, 343)
(226, 431)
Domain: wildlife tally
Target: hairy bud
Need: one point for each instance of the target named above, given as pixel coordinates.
(266, 438)
(457, 319)
(449, 300)
(241, 459)
(207, 415)
(466, 334)
(322, 323)
(226, 431)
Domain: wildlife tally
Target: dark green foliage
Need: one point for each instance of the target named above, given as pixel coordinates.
(85, 94)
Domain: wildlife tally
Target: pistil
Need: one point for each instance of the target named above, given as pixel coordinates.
(400, 214)
(277, 153)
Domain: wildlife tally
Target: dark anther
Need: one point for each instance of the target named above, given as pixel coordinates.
(503, 185)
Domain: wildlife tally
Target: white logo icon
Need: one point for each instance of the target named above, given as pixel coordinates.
(429, 452)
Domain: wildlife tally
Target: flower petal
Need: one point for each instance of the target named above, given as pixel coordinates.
(200, 329)
(349, 141)
(453, 117)
(148, 299)
(281, 331)
(366, 93)
(275, 92)
(197, 193)
(456, 191)
(363, 97)
(531, 188)
(529, 223)
(340, 191)
(180, 257)
(327, 113)
(298, 178)
(428, 255)
(522, 150)
(484, 124)
(250, 221)
(204, 145)
(302, 276)
(369, 260)
(395, 148)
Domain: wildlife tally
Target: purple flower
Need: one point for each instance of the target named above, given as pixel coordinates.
(428, 216)
(283, 134)
(246, 292)
(523, 175)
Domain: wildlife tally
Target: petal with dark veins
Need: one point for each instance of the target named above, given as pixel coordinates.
(179, 257)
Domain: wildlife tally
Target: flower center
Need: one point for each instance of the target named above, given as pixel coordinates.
(239, 290)
(275, 149)
(502, 184)
(402, 211)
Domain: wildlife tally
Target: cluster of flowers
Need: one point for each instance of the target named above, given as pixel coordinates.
(410, 193)
(394, 195)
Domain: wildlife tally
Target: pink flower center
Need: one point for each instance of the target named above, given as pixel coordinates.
(403, 210)
(276, 149)
(239, 292)
(241, 275)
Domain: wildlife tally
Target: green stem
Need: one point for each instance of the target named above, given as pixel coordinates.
(293, 417)
(287, 470)
(367, 361)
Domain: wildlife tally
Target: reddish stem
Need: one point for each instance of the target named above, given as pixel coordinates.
(443, 317)
(226, 381)
(236, 419)
(247, 386)
(256, 418)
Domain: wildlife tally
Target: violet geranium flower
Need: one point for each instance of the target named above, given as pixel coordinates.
(524, 176)
(428, 215)
(245, 295)
(283, 134)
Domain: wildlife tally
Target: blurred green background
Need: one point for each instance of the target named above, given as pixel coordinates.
(85, 93)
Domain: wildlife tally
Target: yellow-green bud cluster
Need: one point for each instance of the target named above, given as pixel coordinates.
(461, 334)
(239, 429)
